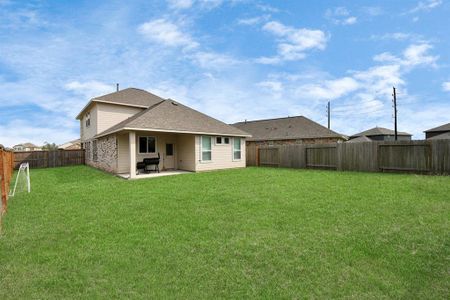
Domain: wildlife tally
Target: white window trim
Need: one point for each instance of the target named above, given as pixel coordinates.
(147, 136)
(87, 118)
(222, 139)
(232, 150)
(201, 150)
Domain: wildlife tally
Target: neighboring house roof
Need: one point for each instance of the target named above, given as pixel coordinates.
(298, 127)
(360, 139)
(379, 131)
(445, 127)
(27, 145)
(171, 116)
(442, 136)
(128, 97)
(75, 144)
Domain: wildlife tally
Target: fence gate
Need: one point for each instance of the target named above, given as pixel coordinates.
(321, 157)
(269, 157)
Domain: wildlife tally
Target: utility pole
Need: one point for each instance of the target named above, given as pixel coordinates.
(395, 111)
(329, 114)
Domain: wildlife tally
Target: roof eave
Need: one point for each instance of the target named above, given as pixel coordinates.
(171, 131)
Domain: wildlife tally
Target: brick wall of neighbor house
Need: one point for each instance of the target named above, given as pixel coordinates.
(297, 141)
(106, 154)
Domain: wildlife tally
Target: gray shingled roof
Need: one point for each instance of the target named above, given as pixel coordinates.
(379, 131)
(297, 127)
(445, 127)
(442, 136)
(171, 116)
(131, 96)
(360, 139)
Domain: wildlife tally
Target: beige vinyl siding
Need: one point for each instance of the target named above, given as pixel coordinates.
(89, 132)
(111, 114)
(186, 155)
(222, 156)
(123, 155)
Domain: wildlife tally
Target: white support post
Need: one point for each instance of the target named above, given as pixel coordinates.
(28, 177)
(132, 143)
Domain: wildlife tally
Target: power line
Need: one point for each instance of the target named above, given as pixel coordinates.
(395, 111)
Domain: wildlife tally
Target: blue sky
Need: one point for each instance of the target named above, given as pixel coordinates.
(234, 60)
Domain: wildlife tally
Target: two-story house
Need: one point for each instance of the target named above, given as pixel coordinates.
(121, 129)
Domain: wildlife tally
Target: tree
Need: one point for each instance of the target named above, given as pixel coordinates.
(49, 147)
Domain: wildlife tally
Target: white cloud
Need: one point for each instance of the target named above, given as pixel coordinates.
(413, 55)
(180, 4)
(417, 54)
(267, 8)
(89, 89)
(212, 60)
(341, 16)
(397, 36)
(293, 42)
(167, 33)
(425, 6)
(329, 89)
(254, 20)
(275, 86)
(446, 86)
(372, 10)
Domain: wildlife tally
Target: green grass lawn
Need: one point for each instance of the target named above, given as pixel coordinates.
(255, 232)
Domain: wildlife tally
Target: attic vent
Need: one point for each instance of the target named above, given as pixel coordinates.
(174, 103)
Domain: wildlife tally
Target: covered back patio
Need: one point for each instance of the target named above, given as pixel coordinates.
(176, 153)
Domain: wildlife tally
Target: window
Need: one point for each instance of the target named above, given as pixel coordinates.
(94, 150)
(236, 149)
(88, 119)
(220, 140)
(169, 149)
(147, 144)
(206, 148)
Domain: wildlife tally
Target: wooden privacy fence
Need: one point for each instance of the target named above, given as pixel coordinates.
(49, 159)
(432, 157)
(6, 172)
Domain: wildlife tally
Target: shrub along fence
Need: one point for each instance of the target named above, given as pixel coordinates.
(6, 172)
(429, 157)
(49, 159)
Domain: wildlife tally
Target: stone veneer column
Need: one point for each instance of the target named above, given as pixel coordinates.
(132, 143)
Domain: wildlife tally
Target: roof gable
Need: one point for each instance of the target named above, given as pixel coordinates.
(128, 97)
(298, 127)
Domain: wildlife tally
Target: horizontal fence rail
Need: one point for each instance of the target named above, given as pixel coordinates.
(49, 159)
(6, 172)
(429, 157)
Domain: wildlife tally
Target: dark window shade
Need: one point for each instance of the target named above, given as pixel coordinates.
(142, 144)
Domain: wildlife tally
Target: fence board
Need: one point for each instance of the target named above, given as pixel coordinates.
(401, 156)
(269, 157)
(323, 156)
(6, 172)
(50, 159)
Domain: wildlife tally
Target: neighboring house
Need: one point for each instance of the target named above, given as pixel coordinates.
(382, 134)
(26, 147)
(443, 130)
(122, 128)
(360, 139)
(288, 130)
(72, 145)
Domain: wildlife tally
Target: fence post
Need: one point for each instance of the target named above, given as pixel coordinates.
(3, 191)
